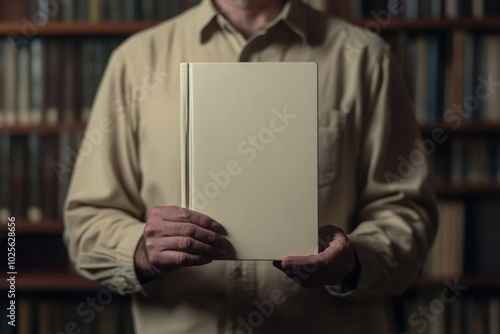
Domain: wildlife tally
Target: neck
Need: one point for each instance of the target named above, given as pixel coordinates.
(249, 16)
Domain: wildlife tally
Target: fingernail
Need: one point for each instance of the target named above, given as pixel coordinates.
(215, 226)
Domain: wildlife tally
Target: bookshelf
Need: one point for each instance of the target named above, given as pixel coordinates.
(63, 280)
(461, 43)
(79, 28)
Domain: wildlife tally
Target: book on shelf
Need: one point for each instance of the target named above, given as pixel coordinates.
(445, 258)
(51, 81)
(483, 219)
(49, 178)
(34, 207)
(10, 84)
(18, 179)
(93, 10)
(457, 74)
(5, 176)
(35, 174)
(472, 161)
(412, 9)
(36, 80)
(23, 84)
(225, 108)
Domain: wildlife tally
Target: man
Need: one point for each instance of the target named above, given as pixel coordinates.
(125, 229)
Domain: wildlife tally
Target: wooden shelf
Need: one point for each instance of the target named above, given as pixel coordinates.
(44, 227)
(472, 281)
(49, 280)
(42, 129)
(65, 280)
(429, 24)
(466, 127)
(128, 28)
(78, 28)
(468, 190)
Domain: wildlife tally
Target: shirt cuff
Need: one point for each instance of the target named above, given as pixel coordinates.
(124, 279)
(369, 270)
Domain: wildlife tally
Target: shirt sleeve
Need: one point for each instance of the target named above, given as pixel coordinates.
(103, 209)
(396, 218)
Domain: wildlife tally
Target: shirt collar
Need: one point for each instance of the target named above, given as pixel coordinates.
(293, 15)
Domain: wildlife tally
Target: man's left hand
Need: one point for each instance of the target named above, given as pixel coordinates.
(336, 262)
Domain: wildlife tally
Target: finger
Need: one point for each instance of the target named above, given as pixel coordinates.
(192, 246)
(177, 214)
(181, 259)
(297, 261)
(326, 234)
(196, 232)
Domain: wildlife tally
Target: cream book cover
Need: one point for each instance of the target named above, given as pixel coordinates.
(249, 154)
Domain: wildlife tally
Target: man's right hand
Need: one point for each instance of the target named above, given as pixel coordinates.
(175, 237)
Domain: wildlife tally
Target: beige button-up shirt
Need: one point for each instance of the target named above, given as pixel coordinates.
(373, 178)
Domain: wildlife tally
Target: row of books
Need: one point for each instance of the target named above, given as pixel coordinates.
(463, 314)
(109, 315)
(410, 8)
(468, 160)
(458, 73)
(35, 174)
(50, 81)
(42, 11)
(466, 240)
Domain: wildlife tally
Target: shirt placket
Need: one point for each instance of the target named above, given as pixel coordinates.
(241, 292)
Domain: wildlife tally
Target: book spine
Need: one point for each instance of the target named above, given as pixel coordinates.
(10, 85)
(87, 78)
(68, 11)
(70, 79)
(491, 60)
(433, 78)
(54, 83)
(64, 178)
(81, 11)
(422, 75)
(5, 176)
(34, 211)
(129, 11)
(451, 9)
(147, 10)
(49, 179)
(23, 84)
(36, 81)
(3, 46)
(494, 315)
(437, 9)
(184, 80)
(94, 10)
(18, 181)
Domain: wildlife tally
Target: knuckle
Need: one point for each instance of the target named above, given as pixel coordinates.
(149, 231)
(155, 211)
(179, 212)
(150, 245)
(181, 259)
(186, 243)
(189, 230)
(212, 238)
(154, 259)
